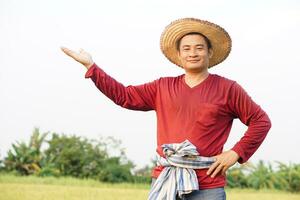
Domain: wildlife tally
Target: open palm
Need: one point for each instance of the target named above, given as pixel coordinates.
(82, 56)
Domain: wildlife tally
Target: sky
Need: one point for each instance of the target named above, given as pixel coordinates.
(41, 87)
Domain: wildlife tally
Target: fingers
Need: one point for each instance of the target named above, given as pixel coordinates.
(69, 52)
(217, 167)
(212, 167)
(217, 170)
(82, 56)
(222, 163)
(224, 171)
(64, 49)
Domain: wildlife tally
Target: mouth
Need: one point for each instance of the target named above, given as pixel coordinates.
(193, 61)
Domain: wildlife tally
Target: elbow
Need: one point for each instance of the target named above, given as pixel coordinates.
(268, 123)
(263, 123)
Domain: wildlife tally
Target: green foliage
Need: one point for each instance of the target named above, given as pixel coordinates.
(49, 169)
(26, 159)
(143, 175)
(74, 156)
(1, 165)
(116, 172)
(70, 156)
(262, 176)
(236, 177)
(289, 176)
(105, 160)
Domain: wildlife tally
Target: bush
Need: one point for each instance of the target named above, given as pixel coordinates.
(70, 156)
(262, 177)
(236, 177)
(49, 170)
(116, 172)
(289, 177)
(1, 166)
(26, 158)
(74, 156)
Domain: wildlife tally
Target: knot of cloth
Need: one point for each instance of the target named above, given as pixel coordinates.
(178, 175)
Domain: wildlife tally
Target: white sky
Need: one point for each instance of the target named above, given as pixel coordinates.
(41, 87)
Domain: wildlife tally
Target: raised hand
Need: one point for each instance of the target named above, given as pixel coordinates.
(82, 56)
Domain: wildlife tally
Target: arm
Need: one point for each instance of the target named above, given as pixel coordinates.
(241, 106)
(253, 116)
(140, 97)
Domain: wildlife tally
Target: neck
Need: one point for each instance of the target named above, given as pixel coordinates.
(196, 75)
(193, 78)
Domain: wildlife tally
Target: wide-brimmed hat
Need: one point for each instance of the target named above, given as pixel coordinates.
(218, 37)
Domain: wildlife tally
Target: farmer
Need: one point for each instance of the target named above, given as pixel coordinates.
(195, 112)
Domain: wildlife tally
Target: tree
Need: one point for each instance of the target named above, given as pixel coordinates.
(288, 177)
(236, 176)
(74, 156)
(26, 159)
(80, 157)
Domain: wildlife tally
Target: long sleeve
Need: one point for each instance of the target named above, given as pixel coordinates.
(251, 114)
(140, 97)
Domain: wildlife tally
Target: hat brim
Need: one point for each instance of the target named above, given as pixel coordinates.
(218, 37)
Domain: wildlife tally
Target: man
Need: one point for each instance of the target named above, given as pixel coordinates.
(194, 112)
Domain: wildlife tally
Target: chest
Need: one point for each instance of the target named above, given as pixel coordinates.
(208, 100)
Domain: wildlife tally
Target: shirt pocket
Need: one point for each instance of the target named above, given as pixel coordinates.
(207, 115)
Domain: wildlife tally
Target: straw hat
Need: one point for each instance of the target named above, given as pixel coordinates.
(218, 37)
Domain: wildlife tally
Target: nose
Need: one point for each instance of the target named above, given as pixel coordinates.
(193, 53)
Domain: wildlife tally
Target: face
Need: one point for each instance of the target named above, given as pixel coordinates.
(194, 53)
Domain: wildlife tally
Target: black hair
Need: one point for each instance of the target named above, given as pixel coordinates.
(208, 43)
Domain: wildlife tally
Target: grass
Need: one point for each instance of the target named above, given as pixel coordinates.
(50, 188)
(67, 181)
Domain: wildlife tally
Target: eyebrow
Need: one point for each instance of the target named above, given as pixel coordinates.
(202, 45)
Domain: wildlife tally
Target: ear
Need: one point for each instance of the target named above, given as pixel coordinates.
(210, 53)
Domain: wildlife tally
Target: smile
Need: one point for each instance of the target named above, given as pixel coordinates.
(193, 61)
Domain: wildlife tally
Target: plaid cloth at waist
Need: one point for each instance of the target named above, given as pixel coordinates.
(179, 175)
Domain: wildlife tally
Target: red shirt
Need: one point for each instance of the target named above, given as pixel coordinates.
(202, 114)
